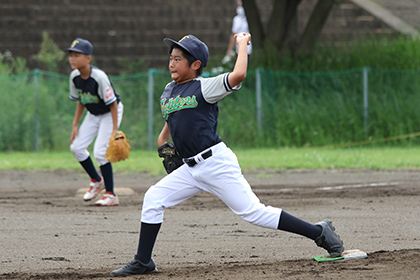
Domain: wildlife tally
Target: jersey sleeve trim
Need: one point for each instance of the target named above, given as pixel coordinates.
(216, 88)
(226, 83)
(110, 101)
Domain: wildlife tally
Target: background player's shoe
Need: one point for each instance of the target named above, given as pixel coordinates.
(329, 240)
(94, 190)
(108, 200)
(135, 267)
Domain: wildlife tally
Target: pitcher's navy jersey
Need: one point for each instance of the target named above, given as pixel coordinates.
(96, 92)
(191, 111)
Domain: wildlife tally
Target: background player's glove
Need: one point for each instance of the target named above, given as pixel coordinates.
(172, 160)
(119, 147)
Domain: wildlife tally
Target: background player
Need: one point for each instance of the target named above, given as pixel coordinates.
(93, 90)
(190, 107)
(239, 25)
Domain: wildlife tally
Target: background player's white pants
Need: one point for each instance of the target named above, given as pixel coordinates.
(99, 126)
(219, 175)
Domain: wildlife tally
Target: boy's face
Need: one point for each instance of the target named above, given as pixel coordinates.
(181, 71)
(79, 60)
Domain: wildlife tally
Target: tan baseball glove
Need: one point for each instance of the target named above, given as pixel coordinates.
(119, 147)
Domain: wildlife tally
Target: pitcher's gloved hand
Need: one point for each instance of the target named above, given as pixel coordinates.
(171, 158)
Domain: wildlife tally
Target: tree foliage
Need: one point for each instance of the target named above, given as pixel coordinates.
(50, 55)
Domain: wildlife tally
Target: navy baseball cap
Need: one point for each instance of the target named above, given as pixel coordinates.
(194, 46)
(82, 46)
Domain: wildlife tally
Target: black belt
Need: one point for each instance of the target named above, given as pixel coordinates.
(191, 161)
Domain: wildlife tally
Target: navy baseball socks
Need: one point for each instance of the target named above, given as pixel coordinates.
(90, 169)
(142, 262)
(98, 183)
(323, 233)
(108, 175)
(106, 171)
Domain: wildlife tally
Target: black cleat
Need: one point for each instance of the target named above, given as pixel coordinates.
(329, 240)
(135, 267)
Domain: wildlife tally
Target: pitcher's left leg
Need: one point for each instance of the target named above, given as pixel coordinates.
(221, 175)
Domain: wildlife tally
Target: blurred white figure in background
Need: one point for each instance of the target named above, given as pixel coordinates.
(239, 25)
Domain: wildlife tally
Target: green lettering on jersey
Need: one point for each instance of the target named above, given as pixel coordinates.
(176, 104)
(87, 97)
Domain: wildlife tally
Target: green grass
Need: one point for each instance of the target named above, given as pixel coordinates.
(312, 158)
(250, 160)
(139, 161)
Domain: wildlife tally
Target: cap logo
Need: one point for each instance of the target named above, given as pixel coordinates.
(75, 42)
(185, 37)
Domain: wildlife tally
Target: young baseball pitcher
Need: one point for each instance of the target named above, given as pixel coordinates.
(93, 90)
(190, 108)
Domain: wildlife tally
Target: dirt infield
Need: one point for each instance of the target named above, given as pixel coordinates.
(49, 232)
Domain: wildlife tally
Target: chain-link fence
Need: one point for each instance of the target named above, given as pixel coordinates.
(272, 108)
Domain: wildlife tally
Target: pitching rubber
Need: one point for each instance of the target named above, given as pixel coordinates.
(346, 255)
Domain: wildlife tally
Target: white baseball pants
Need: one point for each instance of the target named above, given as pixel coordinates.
(99, 126)
(219, 175)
